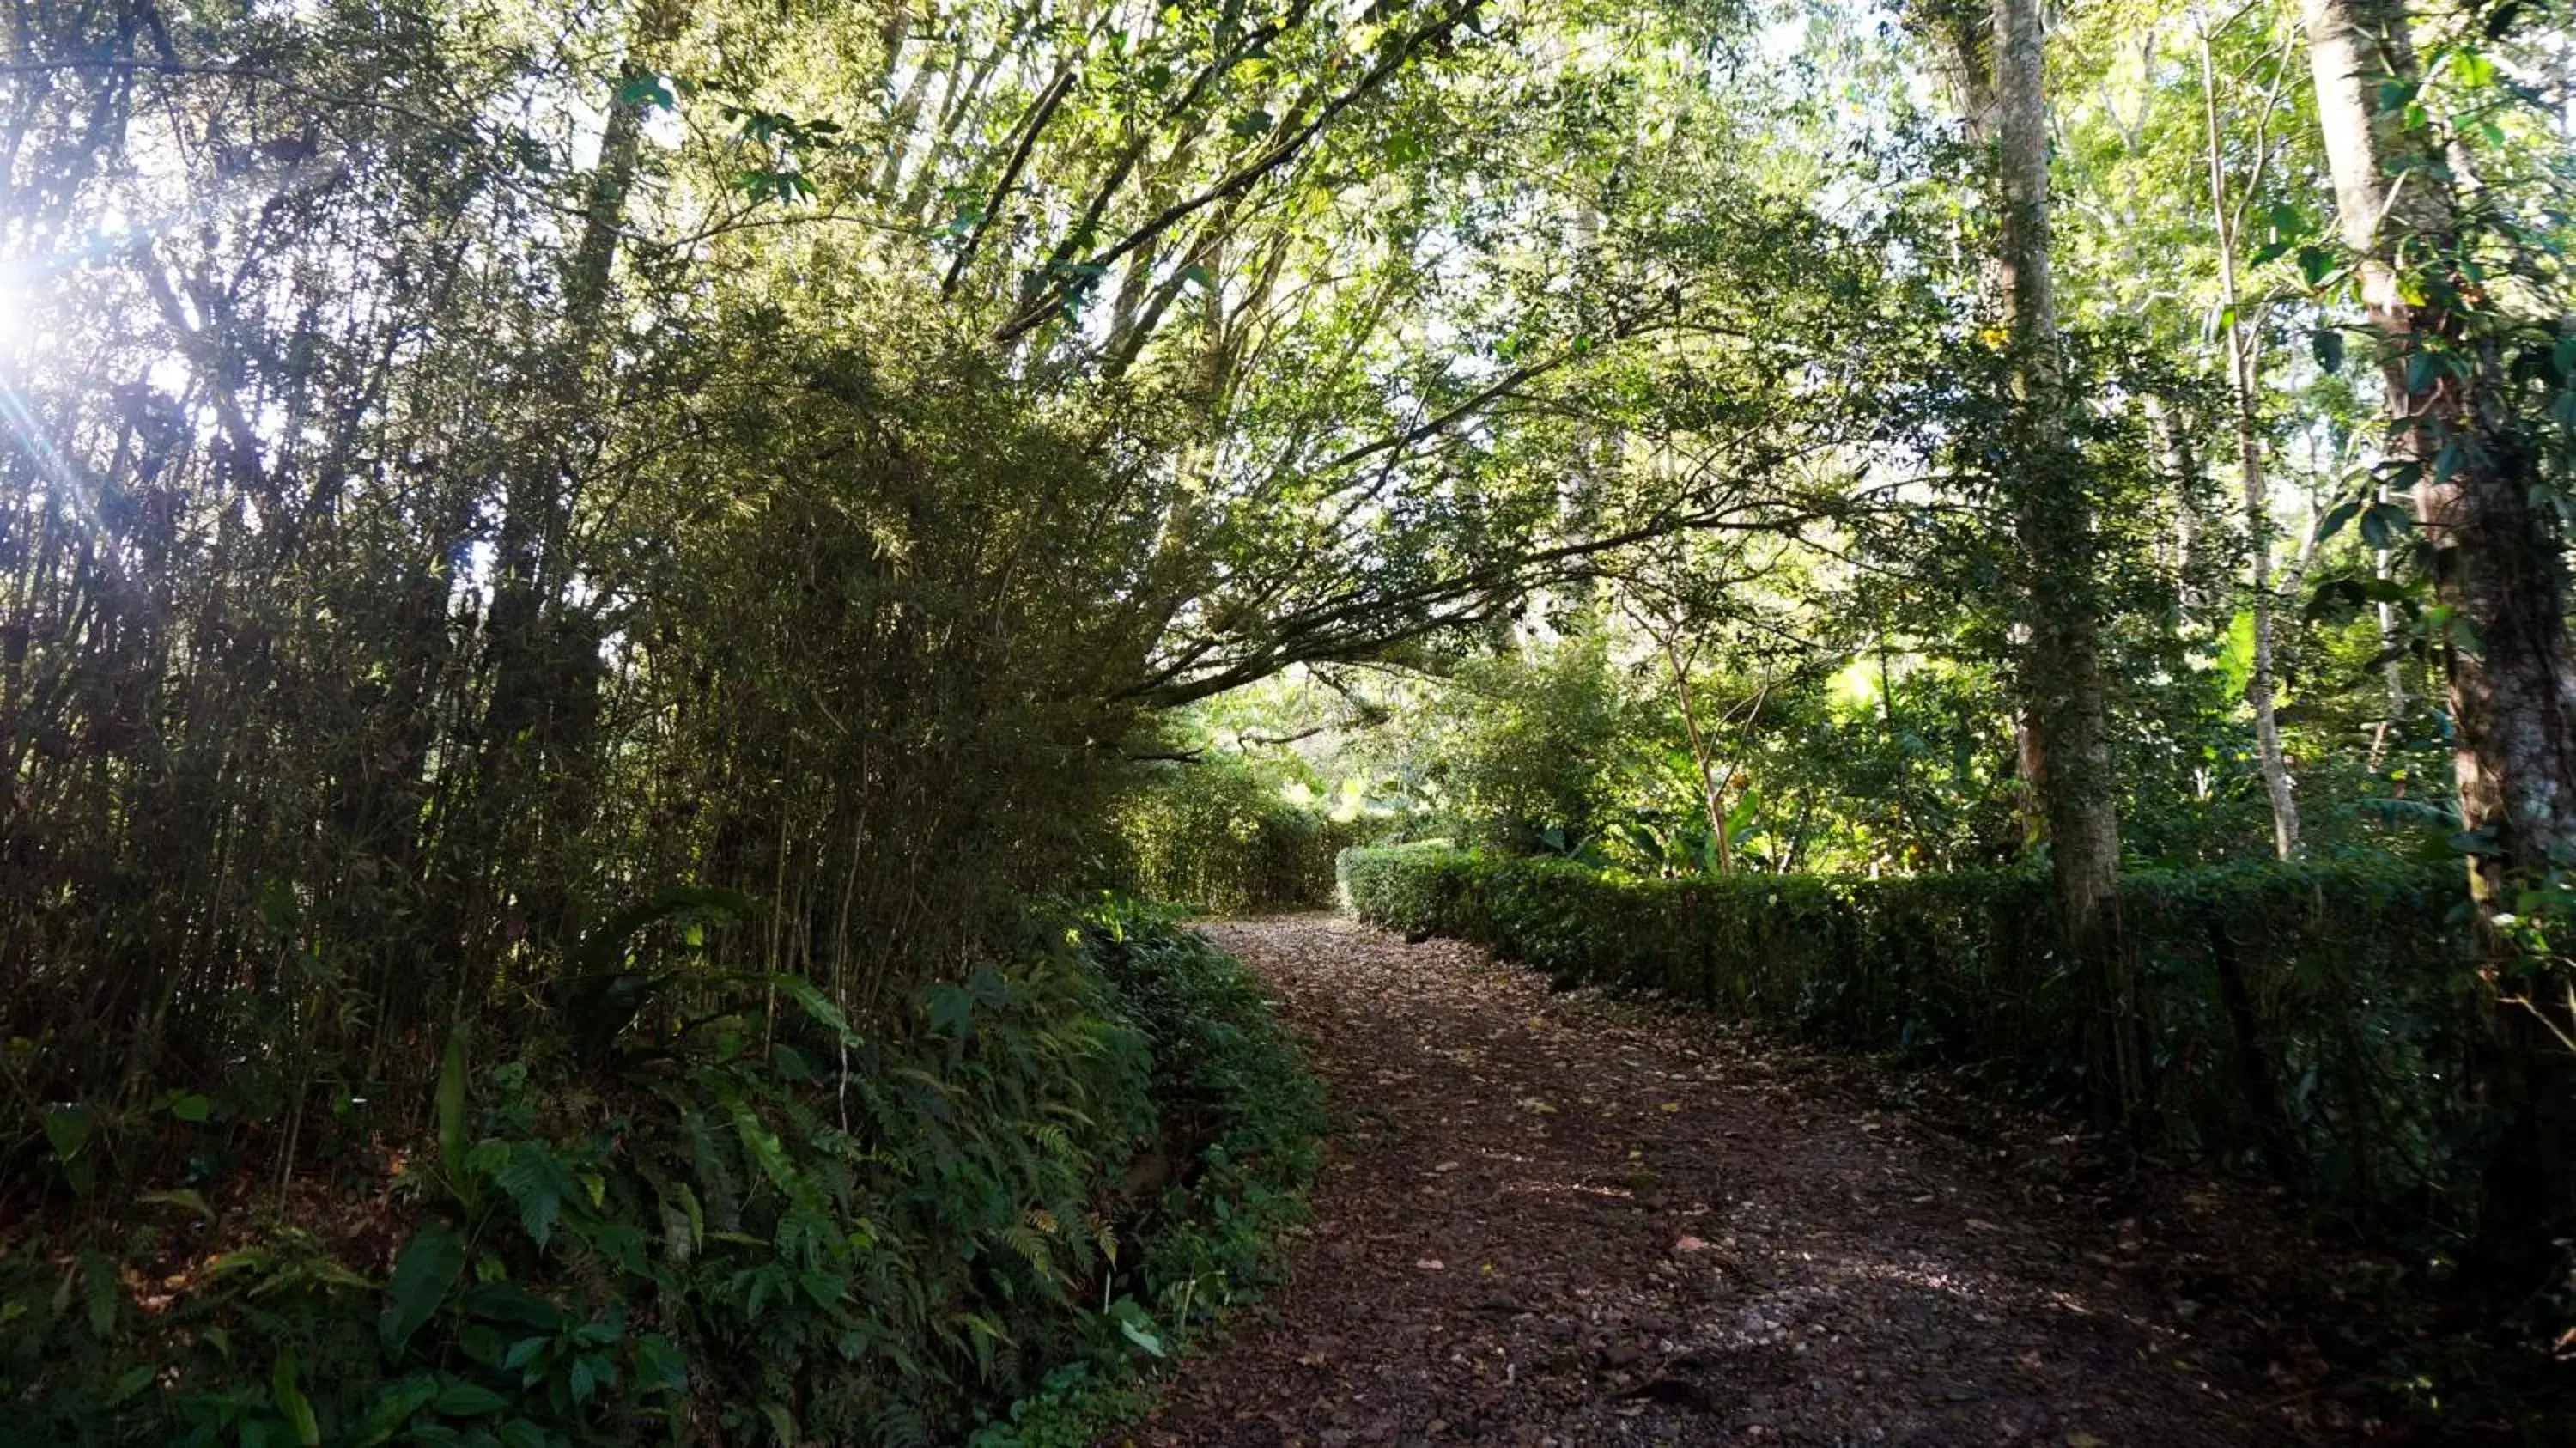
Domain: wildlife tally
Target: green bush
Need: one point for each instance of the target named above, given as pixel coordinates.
(2298, 1017)
(1219, 837)
(762, 1227)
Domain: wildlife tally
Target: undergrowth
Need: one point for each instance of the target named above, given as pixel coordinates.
(760, 1226)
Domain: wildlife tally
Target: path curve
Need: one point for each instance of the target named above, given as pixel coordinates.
(1563, 1220)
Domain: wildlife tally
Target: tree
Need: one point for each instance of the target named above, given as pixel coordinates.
(2495, 561)
(2061, 669)
(2244, 378)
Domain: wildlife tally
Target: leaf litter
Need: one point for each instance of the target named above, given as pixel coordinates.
(1552, 1220)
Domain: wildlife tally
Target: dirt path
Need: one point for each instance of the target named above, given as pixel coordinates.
(1561, 1220)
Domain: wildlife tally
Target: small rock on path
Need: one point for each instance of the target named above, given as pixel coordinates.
(1566, 1220)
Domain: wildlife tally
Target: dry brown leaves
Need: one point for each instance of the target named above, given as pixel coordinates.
(1565, 1220)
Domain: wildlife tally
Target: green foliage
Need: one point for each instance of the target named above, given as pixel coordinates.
(779, 1230)
(1218, 835)
(2302, 1018)
(1536, 764)
(1239, 1132)
(470, 467)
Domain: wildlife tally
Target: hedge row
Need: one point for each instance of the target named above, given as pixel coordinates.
(2300, 1017)
(1217, 838)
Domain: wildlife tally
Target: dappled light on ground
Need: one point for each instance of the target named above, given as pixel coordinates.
(1560, 1219)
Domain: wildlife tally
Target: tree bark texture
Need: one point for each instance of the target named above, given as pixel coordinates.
(2061, 668)
(2496, 567)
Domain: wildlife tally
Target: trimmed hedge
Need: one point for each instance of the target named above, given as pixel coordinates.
(1217, 838)
(2301, 1017)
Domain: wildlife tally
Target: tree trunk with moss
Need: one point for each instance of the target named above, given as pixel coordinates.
(2061, 669)
(2496, 574)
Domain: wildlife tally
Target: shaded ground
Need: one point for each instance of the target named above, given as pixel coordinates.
(1565, 1220)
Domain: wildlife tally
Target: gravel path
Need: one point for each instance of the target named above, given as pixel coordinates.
(1564, 1220)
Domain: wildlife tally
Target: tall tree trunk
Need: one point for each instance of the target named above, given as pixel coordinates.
(1962, 38)
(2061, 668)
(2496, 566)
(2244, 369)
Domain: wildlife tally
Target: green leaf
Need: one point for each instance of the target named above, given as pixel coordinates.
(660, 1365)
(133, 1380)
(291, 1403)
(461, 1399)
(2335, 517)
(540, 1185)
(192, 1201)
(590, 1372)
(2236, 657)
(2316, 264)
(814, 1003)
(763, 1147)
(1748, 807)
(508, 1302)
(393, 1407)
(423, 1275)
(1142, 1338)
(1136, 1325)
(2382, 522)
(68, 1130)
(2447, 459)
(950, 1007)
(102, 1294)
(647, 92)
(826, 1288)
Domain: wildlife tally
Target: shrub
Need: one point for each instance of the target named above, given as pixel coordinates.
(764, 1227)
(2299, 1017)
(1218, 837)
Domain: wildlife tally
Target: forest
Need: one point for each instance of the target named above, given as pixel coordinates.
(630, 632)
